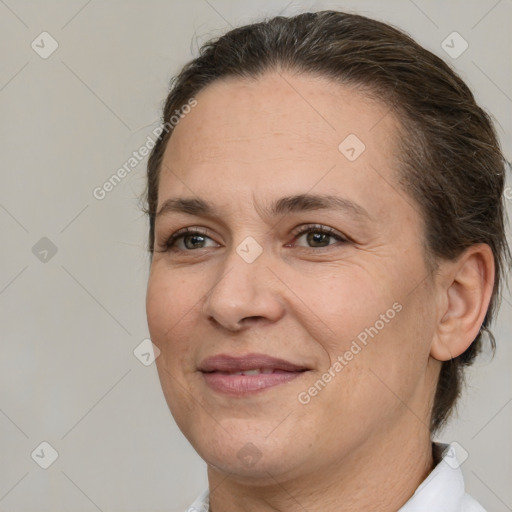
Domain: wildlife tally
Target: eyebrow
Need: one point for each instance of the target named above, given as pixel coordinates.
(283, 206)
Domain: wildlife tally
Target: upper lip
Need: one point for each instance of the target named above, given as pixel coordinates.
(228, 363)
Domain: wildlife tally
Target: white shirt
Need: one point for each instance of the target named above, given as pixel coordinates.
(442, 490)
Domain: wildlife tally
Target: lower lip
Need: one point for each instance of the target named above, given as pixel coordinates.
(238, 385)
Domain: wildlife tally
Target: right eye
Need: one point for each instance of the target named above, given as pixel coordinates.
(191, 238)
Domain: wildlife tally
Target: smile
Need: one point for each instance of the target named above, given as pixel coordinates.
(247, 374)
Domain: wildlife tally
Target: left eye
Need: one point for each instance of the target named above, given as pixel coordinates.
(318, 236)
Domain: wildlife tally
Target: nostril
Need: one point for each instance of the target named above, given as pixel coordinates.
(250, 320)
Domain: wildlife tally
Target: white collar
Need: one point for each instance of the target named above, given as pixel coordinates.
(442, 490)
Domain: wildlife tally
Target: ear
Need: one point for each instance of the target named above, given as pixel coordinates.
(465, 290)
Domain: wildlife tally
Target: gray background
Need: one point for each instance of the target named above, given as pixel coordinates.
(71, 321)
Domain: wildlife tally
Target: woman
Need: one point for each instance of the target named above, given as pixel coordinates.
(327, 241)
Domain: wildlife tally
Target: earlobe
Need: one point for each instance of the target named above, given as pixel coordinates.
(467, 290)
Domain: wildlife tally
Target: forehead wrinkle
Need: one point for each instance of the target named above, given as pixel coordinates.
(297, 203)
(261, 148)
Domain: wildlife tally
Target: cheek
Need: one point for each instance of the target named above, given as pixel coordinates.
(167, 298)
(342, 304)
(383, 340)
(375, 382)
(169, 309)
(397, 354)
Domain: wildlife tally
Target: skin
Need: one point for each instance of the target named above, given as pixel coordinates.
(362, 443)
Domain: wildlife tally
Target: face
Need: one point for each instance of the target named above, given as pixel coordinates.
(328, 295)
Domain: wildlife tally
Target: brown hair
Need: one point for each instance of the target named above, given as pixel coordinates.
(450, 159)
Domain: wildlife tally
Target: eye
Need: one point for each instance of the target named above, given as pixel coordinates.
(191, 238)
(318, 236)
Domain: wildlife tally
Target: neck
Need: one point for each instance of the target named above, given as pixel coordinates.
(381, 474)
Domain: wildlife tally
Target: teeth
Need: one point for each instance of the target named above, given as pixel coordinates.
(255, 371)
(251, 372)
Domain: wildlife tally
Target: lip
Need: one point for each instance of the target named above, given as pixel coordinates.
(217, 372)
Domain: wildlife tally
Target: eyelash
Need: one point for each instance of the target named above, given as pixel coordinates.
(315, 228)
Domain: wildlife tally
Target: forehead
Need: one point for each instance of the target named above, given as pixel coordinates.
(259, 119)
(283, 134)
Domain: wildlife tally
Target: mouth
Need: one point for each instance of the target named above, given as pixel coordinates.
(248, 374)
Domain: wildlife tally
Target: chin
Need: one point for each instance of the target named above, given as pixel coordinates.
(252, 468)
(254, 455)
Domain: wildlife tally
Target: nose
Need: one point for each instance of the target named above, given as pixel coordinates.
(243, 294)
